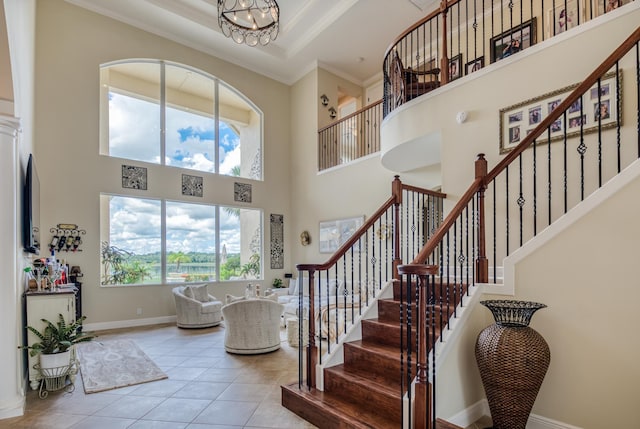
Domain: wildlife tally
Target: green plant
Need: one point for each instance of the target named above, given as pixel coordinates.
(58, 337)
(277, 283)
(251, 268)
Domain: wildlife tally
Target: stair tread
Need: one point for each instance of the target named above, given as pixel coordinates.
(359, 376)
(333, 408)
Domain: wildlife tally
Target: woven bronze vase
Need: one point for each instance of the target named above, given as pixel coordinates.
(513, 360)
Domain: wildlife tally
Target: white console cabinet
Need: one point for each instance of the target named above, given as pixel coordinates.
(46, 305)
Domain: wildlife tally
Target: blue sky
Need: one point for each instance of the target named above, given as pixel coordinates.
(134, 134)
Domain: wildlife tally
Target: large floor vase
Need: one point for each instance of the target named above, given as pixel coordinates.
(513, 360)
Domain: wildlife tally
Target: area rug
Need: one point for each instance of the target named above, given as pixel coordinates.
(107, 365)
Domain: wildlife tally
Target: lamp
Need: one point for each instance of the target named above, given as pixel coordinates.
(249, 21)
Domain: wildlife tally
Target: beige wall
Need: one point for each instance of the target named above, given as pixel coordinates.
(586, 276)
(71, 44)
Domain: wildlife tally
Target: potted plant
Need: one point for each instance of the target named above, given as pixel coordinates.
(277, 283)
(56, 341)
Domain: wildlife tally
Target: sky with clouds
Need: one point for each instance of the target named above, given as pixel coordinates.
(134, 126)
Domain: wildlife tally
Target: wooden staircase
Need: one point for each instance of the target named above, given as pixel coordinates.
(365, 391)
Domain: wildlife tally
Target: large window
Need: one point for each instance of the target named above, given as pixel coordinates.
(169, 114)
(149, 241)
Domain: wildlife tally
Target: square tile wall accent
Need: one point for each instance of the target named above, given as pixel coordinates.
(242, 192)
(277, 241)
(134, 177)
(192, 185)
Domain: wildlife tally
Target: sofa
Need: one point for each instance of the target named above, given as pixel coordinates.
(195, 308)
(252, 326)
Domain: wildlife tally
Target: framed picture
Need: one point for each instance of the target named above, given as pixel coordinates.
(597, 109)
(600, 7)
(474, 65)
(455, 67)
(513, 40)
(564, 16)
(334, 233)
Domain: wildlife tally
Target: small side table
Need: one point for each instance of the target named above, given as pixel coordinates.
(292, 331)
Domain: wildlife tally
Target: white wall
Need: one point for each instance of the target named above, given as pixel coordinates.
(71, 44)
(16, 131)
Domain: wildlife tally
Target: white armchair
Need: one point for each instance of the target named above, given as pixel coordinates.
(195, 308)
(252, 326)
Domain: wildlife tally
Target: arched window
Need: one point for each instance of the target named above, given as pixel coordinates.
(174, 115)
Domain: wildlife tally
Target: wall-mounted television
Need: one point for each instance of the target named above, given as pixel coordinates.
(31, 209)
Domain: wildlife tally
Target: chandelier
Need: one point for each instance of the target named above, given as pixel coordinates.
(249, 21)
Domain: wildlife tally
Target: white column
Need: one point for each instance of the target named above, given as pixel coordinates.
(11, 287)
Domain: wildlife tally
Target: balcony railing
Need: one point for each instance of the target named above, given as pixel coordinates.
(462, 36)
(352, 137)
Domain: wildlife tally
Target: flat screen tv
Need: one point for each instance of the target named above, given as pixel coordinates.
(31, 209)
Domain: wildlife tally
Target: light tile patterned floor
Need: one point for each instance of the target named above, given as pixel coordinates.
(206, 388)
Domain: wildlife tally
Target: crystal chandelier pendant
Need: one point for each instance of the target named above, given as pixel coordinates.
(249, 21)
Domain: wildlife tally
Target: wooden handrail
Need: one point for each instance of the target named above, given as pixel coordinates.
(479, 183)
(354, 114)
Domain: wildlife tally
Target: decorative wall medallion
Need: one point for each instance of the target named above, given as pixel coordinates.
(192, 185)
(277, 241)
(242, 192)
(134, 177)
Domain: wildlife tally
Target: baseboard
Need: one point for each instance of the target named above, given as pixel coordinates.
(13, 410)
(473, 413)
(118, 324)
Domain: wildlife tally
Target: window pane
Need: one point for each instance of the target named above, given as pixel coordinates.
(190, 138)
(241, 243)
(191, 246)
(133, 93)
(131, 251)
(240, 150)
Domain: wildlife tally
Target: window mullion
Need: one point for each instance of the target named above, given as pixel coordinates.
(163, 115)
(163, 241)
(216, 209)
(216, 109)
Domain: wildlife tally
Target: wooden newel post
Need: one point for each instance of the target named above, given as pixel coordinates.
(423, 414)
(444, 61)
(396, 190)
(312, 350)
(482, 263)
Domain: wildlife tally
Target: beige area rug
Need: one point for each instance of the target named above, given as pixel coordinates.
(107, 365)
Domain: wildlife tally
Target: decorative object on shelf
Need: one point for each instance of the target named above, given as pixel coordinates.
(455, 67)
(305, 238)
(332, 113)
(192, 185)
(324, 100)
(474, 65)
(277, 241)
(242, 192)
(249, 21)
(513, 40)
(513, 360)
(66, 236)
(134, 177)
(597, 110)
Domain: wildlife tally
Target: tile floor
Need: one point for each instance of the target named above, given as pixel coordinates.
(207, 388)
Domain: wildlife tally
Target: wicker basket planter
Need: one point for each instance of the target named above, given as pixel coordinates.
(513, 360)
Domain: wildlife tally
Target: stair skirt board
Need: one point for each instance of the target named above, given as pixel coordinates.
(481, 408)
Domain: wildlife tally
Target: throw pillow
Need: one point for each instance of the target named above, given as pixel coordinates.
(200, 293)
(187, 292)
(230, 298)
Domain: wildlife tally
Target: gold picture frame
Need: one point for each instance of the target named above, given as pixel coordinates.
(584, 116)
